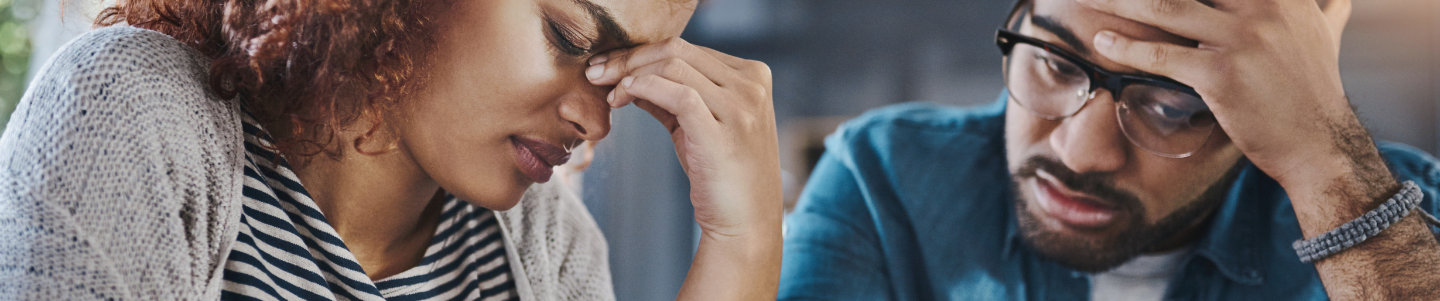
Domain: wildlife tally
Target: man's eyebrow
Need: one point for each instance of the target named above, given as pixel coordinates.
(608, 27)
(1059, 30)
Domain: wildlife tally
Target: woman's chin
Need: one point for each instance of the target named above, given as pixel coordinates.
(506, 203)
(499, 201)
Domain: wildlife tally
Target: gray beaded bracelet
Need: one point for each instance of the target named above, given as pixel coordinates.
(1356, 231)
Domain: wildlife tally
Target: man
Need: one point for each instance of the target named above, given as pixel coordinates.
(1144, 150)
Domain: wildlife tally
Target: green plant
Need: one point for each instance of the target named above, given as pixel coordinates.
(14, 53)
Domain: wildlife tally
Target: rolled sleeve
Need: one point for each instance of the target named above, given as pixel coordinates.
(831, 245)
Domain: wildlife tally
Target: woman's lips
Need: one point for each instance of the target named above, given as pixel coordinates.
(1073, 209)
(538, 158)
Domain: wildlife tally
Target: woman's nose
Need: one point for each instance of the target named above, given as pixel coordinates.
(587, 112)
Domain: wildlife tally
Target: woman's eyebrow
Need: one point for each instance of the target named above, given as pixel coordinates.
(609, 29)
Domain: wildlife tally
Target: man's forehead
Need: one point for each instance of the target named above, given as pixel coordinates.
(1084, 23)
(650, 21)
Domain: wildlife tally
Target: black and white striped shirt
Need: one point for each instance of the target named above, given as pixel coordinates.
(286, 250)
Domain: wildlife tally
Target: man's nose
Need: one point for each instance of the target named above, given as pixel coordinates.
(1091, 140)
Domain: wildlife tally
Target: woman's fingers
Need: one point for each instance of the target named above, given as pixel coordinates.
(666, 119)
(681, 101)
(619, 97)
(756, 73)
(610, 67)
(681, 72)
(728, 60)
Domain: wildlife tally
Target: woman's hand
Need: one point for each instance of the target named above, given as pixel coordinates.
(720, 116)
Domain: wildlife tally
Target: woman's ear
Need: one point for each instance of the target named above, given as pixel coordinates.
(1337, 13)
(377, 130)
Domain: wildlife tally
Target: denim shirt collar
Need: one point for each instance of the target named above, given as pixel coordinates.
(1229, 242)
(1226, 243)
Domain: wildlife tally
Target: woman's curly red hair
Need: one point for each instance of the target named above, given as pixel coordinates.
(312, 65)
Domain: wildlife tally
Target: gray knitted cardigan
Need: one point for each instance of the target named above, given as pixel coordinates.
(120, 178)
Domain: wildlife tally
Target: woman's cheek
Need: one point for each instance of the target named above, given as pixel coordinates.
(487, 178)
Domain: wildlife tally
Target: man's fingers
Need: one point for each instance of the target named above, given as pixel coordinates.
(1173, 61)
(1187, 18)
(608, 68)
(1337, 13)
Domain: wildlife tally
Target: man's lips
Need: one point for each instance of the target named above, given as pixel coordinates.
(1072, 208)
(537, 157)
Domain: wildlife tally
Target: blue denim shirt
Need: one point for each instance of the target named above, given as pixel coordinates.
(913, 202)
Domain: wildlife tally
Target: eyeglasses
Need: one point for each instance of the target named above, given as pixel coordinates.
(1157, 114)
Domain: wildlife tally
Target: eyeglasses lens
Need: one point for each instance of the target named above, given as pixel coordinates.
(1045, 83)
(1164, 121)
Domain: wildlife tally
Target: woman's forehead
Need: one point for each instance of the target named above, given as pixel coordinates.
(648, 21)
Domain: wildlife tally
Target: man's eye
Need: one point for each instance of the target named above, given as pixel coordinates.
(1170, 113)
(1058, 66)
(1060, 69)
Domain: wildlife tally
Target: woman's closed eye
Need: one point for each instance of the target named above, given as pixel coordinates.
(568, 39)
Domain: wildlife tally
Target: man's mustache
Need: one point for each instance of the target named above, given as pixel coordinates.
(1096, 184)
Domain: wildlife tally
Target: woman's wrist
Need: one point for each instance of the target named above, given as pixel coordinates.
(749, 212)
(735, 267)
(738, 262)
(754, 240)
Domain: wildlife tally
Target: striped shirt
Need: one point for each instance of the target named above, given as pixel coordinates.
(286, 250)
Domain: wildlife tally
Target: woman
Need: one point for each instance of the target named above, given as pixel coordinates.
(368, 150)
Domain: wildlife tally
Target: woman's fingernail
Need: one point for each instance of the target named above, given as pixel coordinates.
(599, 59)
(626, 82)
(610, 98)
(594, 71)
(1104, 39)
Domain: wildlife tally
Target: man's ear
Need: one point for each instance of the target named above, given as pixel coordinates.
(1337, 13)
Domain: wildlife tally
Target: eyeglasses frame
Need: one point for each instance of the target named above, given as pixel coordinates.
(1099, 78)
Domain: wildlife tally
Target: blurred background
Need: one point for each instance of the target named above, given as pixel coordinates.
(832, 60)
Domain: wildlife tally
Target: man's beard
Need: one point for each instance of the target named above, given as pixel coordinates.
(1136, 238)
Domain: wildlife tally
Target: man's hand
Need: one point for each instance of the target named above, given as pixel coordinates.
(1269, 70)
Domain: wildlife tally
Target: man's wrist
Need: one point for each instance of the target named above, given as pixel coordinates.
(1333, 180)
(1324, 201)
(1358, 230)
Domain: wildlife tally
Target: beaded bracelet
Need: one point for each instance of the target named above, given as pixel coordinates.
(1364, 227)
